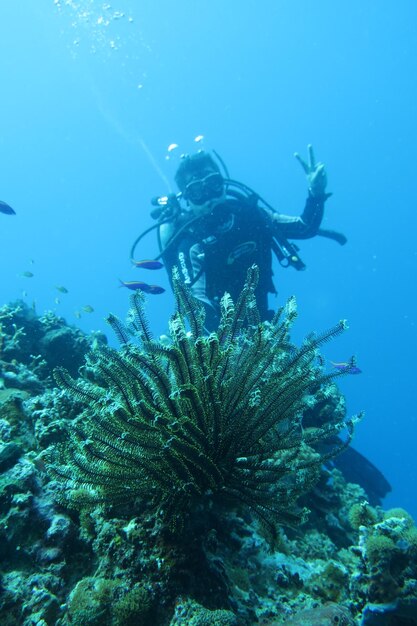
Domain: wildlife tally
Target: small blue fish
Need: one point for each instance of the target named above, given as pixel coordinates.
(61, 288)
(349, 367)
(148, 264)
(155, 289)
(137, 284)
(134, 285)
(5, 208)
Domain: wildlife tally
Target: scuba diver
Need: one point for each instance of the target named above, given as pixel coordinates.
(215, 228)
(225, 227)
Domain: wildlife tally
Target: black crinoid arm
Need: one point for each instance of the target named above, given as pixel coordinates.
(200, 418)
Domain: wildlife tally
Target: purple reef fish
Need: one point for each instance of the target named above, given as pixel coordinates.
(5, 208)
(148, 264)
(349, 367)
(137, 284)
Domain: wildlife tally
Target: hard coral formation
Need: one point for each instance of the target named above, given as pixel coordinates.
(389, 558)
(205, 418)
(190, 613)
(31, 346)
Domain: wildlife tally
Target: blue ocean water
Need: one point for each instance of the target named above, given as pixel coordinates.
(92, 95)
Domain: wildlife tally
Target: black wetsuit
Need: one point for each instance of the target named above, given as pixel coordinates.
(214, 253)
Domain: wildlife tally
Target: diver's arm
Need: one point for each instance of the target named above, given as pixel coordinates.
(168, 247)
(166, 230)
(308, 223)
(304, 226)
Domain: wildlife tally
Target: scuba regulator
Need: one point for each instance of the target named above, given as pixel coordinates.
(166, 207)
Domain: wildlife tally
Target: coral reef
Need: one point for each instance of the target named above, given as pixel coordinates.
(108, 563)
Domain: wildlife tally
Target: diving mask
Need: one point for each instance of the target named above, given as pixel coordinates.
(204, 189)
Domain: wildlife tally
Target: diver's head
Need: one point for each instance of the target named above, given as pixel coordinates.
(200, 181)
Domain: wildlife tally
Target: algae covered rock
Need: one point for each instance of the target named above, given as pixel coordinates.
(389, 548)
(32, 345)
(97, 601)
(9, 455)
(190, 613)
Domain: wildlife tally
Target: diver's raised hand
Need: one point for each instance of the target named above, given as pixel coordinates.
(315, 173)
